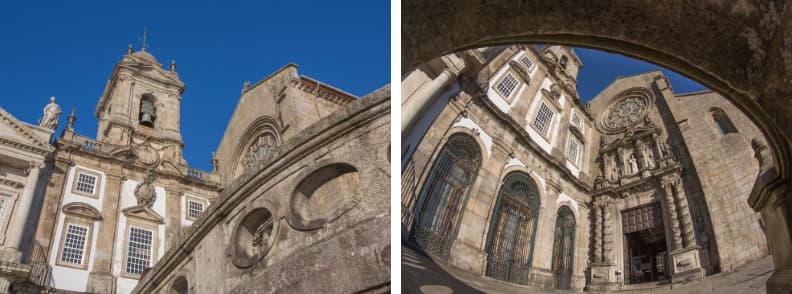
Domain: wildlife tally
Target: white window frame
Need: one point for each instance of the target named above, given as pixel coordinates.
(514, 89)
(77, 182)
(6, 207)
(530, 62)
(152, 250)
(187, 208)
(543, 129)
(82, 249)
(574, 144)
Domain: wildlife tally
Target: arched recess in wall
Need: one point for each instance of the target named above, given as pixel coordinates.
(439, 207)
(254, 236)
(180, 286)
(256, 144)
(512, 230)
(148, 110)
(722, 121)
(564, 248)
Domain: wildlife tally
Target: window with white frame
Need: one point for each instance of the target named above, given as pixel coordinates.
(573, 149)
(139, 250)
(526, 61)
(86, 183)
(74, 244)
(543, 119)
(507, 85)
(194, 208)
(576, 120)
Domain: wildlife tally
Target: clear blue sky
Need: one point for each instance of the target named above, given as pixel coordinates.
(68, 49)
(601, 68)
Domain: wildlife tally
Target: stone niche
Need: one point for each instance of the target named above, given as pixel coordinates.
(324, 195)
(254, 237)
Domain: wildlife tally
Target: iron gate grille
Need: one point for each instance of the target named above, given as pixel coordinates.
(444, 195)
(510, 245)
(563, 248)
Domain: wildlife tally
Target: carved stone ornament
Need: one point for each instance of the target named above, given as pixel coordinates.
(628, 110)
(144, 192)
(147, 155)
(51, 114)
(260, 149)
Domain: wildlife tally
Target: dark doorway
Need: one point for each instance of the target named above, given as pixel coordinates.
(645, 250)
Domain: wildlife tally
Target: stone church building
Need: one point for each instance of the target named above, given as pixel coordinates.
(509, 175)
(301, 173)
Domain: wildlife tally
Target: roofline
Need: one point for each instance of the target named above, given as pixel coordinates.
(341, 93)
(695, 93)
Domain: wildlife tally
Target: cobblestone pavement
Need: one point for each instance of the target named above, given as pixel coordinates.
(422, 275)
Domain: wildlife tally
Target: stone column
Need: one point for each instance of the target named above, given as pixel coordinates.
(5, 285)
(17, 228)
(597, 233)
(671, 215)
(684, 214)
(420, 101)
(101, 279)
(606, 233)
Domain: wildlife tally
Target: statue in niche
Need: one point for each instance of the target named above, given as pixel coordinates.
(263, 146)
(648, 157)
(51, 114)
(144, 192)
(633, 164)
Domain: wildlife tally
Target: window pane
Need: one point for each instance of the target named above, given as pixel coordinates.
(543, 119)
(507, 85)
(138, 250)
(74, 244)
(194, 209)
(86, 183)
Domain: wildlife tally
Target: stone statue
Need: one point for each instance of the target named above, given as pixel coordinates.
(144, 192)
(633, 164)
(648, 157)
(51, 114)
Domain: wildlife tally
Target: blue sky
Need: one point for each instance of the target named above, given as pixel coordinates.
(68, 49)
(601, 68)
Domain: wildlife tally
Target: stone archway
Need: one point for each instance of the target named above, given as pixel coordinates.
(741, 50)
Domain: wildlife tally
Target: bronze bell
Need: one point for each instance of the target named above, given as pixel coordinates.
(147, 113)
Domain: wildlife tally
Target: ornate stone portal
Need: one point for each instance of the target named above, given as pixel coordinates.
(639, 170)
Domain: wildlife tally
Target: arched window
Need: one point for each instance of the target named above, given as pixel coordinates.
(180, 286)
(564, 248)
(722, 121)
(512, 229)
(148, 113)
(444, 193)
(563, 62)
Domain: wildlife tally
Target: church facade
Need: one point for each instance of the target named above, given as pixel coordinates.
(509, 175)
(289, 190)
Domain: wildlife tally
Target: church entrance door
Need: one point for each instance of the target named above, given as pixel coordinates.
(645, 249)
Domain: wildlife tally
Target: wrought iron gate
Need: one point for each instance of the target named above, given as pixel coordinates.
(444, 195)
(563, 248)
(512, 231)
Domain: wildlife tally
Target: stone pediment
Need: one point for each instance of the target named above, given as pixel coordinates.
(144, 213)
(82, 210)
(21, 135)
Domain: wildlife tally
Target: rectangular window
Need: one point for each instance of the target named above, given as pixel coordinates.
(543, 119)
(573, 149)
(576, 120)
(507, 85)
(86, 183)
(139, 250)
(527, 61)
(194, 209)
(74, 244)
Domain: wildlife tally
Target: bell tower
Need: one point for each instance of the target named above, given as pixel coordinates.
(141, 104)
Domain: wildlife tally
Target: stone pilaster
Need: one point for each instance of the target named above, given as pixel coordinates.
(607, 242)
(19, 219)
(172, 216)
(100, 280)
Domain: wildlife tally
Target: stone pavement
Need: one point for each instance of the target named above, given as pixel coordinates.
(420, 274)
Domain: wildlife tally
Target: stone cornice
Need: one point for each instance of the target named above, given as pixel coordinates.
(24, 146)
(23, 130)
(320, 134)
(320, 90)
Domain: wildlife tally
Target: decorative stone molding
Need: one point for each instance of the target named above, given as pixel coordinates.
(627, 109)
(144, 213)
(521, 70)
(82, 210)
(12, 184)
(254, 236)
(326, 92)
